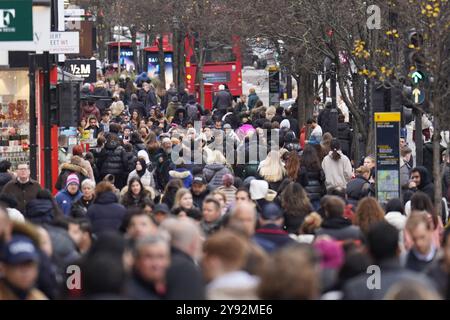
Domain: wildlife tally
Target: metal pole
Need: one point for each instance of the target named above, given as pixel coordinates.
(33, 120)
(418, 138)
(46, 123)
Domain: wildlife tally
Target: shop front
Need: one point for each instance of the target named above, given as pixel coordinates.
(14, 116)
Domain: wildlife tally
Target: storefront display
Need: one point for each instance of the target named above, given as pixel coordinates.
(14, 116)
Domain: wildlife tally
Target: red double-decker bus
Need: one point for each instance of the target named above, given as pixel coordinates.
(223, 64)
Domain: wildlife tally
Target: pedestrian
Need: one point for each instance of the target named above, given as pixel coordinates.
(311, 176)
(405, 168)
(252, 98)
(222, 101)
(228, 189)
(421, 181)
(215, 169)
(337, 167)
(296, 206)
(183, 199)
(184, 277)
(270, 235)
(20, 270)
(335, 224)
(70, 195)
(5, 173)
(316, 134)
(423, 251)
(90, 109)
(23, 187)
(211, 216)
(142, 172)
(151, 262)
(272, 170)
(291, 274)
(80, 231)
(105, 214)
(224, 258)
(360, 187)
(135, 194)
(199, 190)
(139, 225)
(170, 191)
(344, 135)
(395, 215)
(382, 244)
(368, 212)
(438, 272)
(43, 209)
(243, 217)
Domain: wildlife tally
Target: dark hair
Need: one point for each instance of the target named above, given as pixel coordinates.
(130, 183)
(341, 118)
(382, 241)
(211, 199)
(311, 121)
(135, 138)
(395, 205)
(96, 281)
(5, 165)
(335, 146)
(421, 201)
(338, 192)
(310, 159)
(46, 194)
(333, 206)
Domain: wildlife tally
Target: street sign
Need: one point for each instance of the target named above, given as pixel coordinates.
(417, 76)
(64, 42)
(274, 86)
(418, 96)
(74, 12)
(387, 137)
(16, 20)
(83, 68)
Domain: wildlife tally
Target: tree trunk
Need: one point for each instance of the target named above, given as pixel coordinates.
(176, 56)
(199, 74)
(437, 165)
(133, 32)
(182, 61)
(162, 62)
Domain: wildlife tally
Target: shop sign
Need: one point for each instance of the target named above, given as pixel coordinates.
(16, 20)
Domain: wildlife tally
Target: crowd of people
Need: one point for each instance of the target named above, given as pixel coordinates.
(179, 202)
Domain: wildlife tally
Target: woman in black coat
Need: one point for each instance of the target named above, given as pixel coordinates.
(313, 176)
(106, 213)
(360, 187)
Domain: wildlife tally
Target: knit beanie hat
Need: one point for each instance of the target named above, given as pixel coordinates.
(72, 179)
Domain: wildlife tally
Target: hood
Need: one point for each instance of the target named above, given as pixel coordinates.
(107, 197)
(425, 177)
(74, 168)
(179, 173)
(144, 155)
(215, 167)
(88, 108)
(5, 177)
(39, 207)
(180, 109)
(112, 144)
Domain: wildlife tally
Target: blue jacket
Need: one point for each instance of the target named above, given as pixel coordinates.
(65, 200)
(40, 211)
(271, 237)
(106, 214)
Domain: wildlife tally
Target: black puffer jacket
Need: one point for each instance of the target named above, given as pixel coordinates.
(314, 183)
(113, 159)
(344, 135)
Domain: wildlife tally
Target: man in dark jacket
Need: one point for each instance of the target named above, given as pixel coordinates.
(184, 277)
(335, 225)
(151, 261)
(113, 158)
(23, 188)
(328, 119)
(421, 180)
(137, 106)
(199, 190)
(147, 96)
(293, 123)
(383, 247)
(222, 101)
(344, 135)
(211, 221)
(271, 236)
(439, 271)
(252, 98)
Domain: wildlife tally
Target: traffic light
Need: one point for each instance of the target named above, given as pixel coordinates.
(69, 104)
(380, 98)
(54, 112)
(413, 54)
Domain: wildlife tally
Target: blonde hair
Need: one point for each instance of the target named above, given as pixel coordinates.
(272, 169)
(216, 158)
(180, 194)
